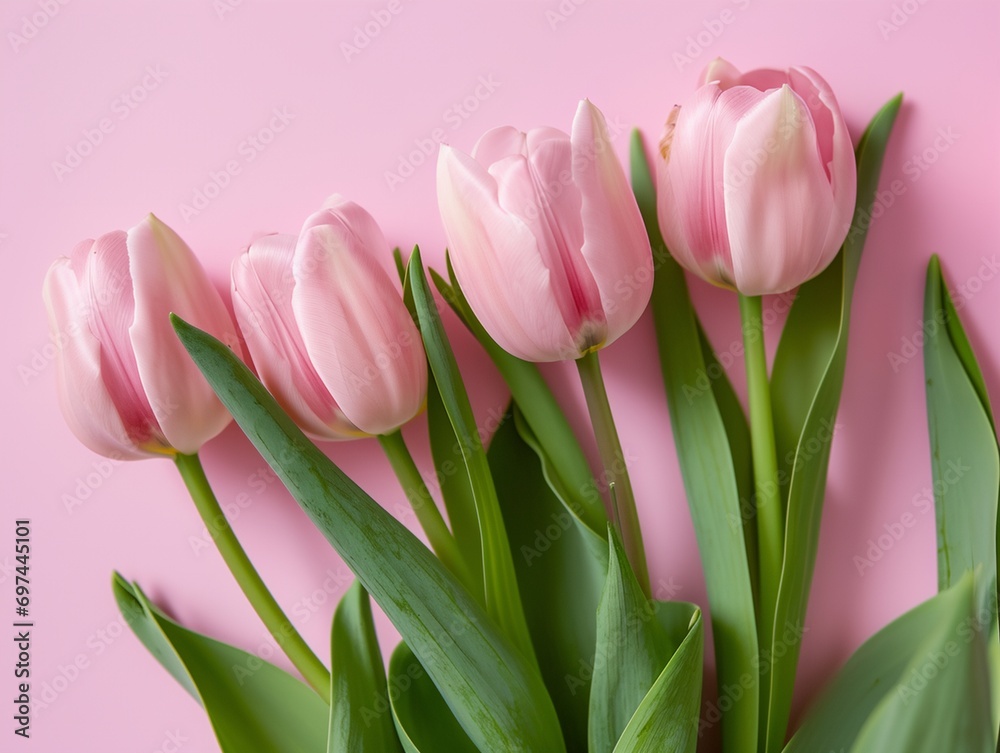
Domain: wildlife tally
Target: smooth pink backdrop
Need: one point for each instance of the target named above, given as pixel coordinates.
(461, 67)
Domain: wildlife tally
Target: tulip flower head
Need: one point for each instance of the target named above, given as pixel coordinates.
(546, 238)
(127, 387)
(757, 179)
(327, 328)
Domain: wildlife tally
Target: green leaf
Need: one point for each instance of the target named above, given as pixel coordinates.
(964, 457)
(633, 649)
(667, 719)
(456, 490)
(919, 685)
(252, 705)
(503, 602)
(357, 681)
(423, 720)
(964, 454)
(559, 575)
(710, 474)
(806, 382)
(397, 258)
(738, 433)
(566, 467)
(496, 695)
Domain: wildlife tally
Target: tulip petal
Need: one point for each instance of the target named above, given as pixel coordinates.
(777, 196)
(262, 285)
(721, 72)
(540, 192)
(837, 153)
(764, 79)
(166, 277)
(356, 329)
(498, 143)
(498, 263)
(691, 203)
(616, 245)
(356, 219)
(107, 287)
(83, 396)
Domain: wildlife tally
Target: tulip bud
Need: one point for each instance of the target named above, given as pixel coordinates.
(546, 238)
(327, 328)
(757, 179)
(127, 387)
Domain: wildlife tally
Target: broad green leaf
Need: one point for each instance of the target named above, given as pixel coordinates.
(559, 575)
(598, 546)
(503, 601)
(738, 433)
(633, 649)
(710, 474)
(358, 692)
(252, 704)
(453, 480)
(919, 685)
(566, 466)
(423, 720)
(964, 455)
(495, 693)
(667, 719)
(806, 382)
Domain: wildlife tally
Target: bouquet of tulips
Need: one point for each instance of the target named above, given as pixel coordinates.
(528, 621)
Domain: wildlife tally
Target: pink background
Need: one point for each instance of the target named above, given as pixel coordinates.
(356, 120)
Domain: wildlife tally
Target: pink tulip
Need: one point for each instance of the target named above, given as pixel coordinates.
(546, 238)
(327, 327)
(127, 387)
(757, 179)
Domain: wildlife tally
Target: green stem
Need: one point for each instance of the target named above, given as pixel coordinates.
(441, 539)
(615, 468)
(770, 525)
(270, 613)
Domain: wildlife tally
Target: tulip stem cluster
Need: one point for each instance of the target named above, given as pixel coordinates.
(624, 510)
(249, 580)
(429, 516)
(770, 527)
